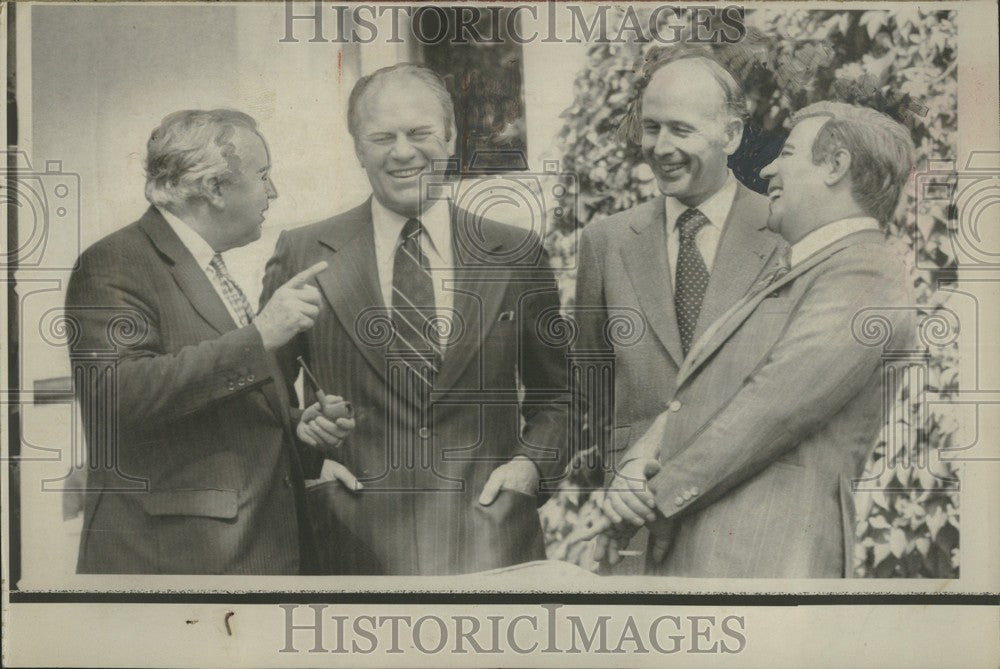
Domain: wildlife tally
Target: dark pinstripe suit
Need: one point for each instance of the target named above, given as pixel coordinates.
(776, 409)
(202, 418)
(418, 513)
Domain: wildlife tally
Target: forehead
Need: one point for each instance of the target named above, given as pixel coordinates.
(683, 90)
(804, 132)
(251, 151)
(400, 101)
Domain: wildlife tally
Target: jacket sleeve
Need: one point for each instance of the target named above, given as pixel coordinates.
(280, 268)
(543, 374)
(814, 369)
(111, 309)
(593, 415)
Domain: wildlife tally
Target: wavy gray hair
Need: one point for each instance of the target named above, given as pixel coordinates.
(188, 149)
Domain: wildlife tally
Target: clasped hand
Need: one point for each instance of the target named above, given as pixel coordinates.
(325, 424)
(626, 505)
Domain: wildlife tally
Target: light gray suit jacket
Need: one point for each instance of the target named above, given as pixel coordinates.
(775, 410)
(624, 274)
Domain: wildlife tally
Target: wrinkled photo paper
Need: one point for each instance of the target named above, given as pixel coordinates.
(501, 334)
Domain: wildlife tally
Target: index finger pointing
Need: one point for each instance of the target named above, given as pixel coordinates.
(307, 275)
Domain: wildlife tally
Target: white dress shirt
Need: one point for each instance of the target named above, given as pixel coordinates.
(203, 254)
(823, 236)
(716, 210)
(435, 243)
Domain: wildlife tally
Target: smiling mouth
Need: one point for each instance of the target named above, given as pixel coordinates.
(667, 168)
(407, 173)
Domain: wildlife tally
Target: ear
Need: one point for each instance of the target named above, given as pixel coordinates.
(451, 142)
(360, 154)
(213, 193)
(838, 167)
(734, 135)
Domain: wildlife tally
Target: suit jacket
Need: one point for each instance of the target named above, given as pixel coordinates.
(424, 463)
(776, 409)
(192, 463)
(623, 274)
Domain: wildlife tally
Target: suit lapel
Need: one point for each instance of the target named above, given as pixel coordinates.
(719, 331)
(744, 250)
(200, 292)
(189, 277)
(479, 287)
(645, 260)
(350, 284)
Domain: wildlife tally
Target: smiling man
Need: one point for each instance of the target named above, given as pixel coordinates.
(199, 418)
(430, 333)
(680, 259)
(780, 402)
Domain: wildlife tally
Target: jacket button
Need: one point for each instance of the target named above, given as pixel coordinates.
(232, 386)
(250, 378)
(241, 383)
(679, 501)
(694, 490)
(675, 406)
(287, 482)
(424, 433)
(687, 495)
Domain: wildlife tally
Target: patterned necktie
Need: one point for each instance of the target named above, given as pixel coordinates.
(234, 296)
(691, 276)
(413, 309)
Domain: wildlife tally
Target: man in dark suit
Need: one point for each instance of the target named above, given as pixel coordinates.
(676, 262)
(779, 403)
(430, 328)
(193, 462)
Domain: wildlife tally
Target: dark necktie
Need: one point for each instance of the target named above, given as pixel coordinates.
(234, 296)
(691, 276)
(413, 309)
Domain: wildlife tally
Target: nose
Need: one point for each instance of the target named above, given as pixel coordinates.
(770, 170)
(402, 150)
(664, 145)
(272, 191)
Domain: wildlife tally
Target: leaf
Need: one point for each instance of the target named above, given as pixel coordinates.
(897, 541)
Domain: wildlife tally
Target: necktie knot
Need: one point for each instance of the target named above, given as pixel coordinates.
(412, 228)
(690, 222)
(218, 265)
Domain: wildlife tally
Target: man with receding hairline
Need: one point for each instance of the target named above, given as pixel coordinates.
(197, 417)
(429, 329)
(681, 259)
(780, 402)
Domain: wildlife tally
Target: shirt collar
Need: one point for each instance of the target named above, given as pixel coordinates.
(827, 234)
(716, 208)
(436, 222)
(194, 242)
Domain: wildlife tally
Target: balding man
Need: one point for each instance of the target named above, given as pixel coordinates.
(206, 476)
(430, 328)
(681, 259)
(779, 403)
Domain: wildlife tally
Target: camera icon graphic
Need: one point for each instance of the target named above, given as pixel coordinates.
(46, 211)
(967, 202)
(528, 200)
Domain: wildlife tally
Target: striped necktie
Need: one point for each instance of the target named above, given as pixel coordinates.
(413, 308)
